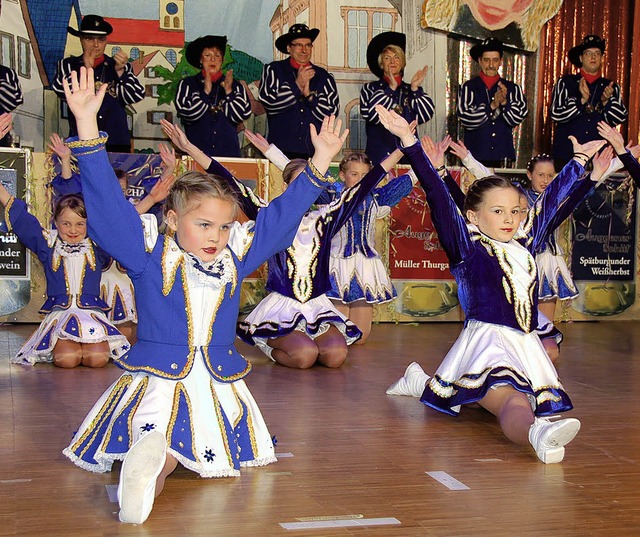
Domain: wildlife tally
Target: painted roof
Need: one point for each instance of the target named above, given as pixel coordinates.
(143, 32)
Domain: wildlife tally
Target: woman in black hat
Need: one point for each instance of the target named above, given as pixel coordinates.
(211, 103)
(386, 59)
(124, 88)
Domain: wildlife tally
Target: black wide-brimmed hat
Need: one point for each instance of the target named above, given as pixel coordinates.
(92, 25)
(589, 41)
(297, 31)
(488, 45)
(195, 48)
(378, 44)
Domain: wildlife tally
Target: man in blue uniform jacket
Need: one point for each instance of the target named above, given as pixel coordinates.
(124, 88)
(580, 101)
(296, 93)
(489, 107)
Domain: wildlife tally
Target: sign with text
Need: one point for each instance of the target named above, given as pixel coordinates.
(14, 258)
(415, 251)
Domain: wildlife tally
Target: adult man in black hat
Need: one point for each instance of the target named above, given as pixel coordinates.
(296, 93)
(10, 97)
(211, 104)
(580, 101)
(124, 88)
(386, 59)
(489, 107)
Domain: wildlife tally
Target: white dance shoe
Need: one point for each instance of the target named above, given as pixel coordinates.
(140, 469)
(549, 437)
(412, 383)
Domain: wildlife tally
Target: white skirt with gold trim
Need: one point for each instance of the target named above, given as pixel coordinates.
(487, 355)
(555, 280)
(116, 290)
(75, 324)
(212, 428)
(277, 315)
(360, 278)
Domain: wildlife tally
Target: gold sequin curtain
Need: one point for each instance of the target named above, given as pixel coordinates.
(611, 19)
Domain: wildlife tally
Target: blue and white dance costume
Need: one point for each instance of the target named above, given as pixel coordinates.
(298, 276)
(73, 309)
(184, 376)
(497, 290)
(116, 288)
(554, 277)
(356, 271)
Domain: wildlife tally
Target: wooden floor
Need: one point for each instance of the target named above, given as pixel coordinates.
(347, 451)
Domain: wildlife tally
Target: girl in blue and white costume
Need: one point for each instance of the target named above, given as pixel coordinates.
(182, 397)
(498, 360)
(75, 330)
(357, 274)
(116, 288)
(555, 280)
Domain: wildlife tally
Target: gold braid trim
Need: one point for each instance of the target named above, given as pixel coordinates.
(7, 208)
(320, 179)
(101, 140)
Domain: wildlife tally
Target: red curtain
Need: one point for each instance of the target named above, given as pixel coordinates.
(613, 20)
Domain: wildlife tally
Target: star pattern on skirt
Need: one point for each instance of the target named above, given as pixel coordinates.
(92, 330)
(274, 440)
(148, 427)
(209, 455)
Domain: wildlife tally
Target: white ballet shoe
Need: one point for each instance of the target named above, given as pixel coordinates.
(412, 383)
(549, 437)
(140, 469)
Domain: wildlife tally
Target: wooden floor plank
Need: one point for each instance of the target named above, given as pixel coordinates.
(354, 450)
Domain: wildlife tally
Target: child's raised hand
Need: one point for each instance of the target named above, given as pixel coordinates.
(257, 140)
(6, 122)
(82, 98)
(57, 145)
(588, 149)
(601, 163)
(168, 156)
(160, 190)
(175, 134)
(327, 142)
(394, 123)
(459, 149)
(612, 136)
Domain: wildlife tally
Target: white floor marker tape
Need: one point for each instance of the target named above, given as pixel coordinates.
(7, 481)
(488, 460)
(448, 481)
(284, 455)
(329, 517)
(343, 523)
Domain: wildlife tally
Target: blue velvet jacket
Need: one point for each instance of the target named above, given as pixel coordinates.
(483, 289)
(42, 243)
(632, 166)
(355, 233)
(286, 274)
(165, 345)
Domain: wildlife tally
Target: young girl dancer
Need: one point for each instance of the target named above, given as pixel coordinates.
(296, 325)
(116, 288)
(497, 361)
(182, 397)
(75, 330)
(358, 277)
